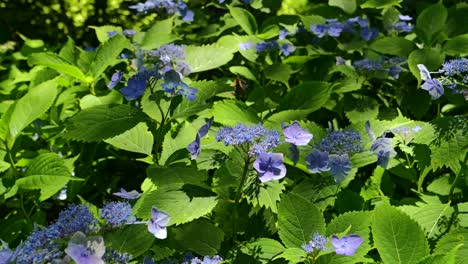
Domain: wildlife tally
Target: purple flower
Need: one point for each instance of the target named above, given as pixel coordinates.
(317, 161)
(403, 27)
(127, 195)
(335, 28)
(296, 135)
(395, 71)
(340, 166)
(405, 18)
(283, 33)
(270, 166)
(207, 260)
(135, 87)
(7, 256)
(194, 147)
(266, 46)
(423, 72)
(158, 222)
(117, 213)
(187, 92)
(455, 67)
(110, 34)
(245, 45)
(129, 32)
(318, 242)
(369, 33)
(287, 49)
(340, 61)
(434, 87)
(86, 250)
(347, 245)
(383, 148)
(319, 30)
(115, 79)
(204, 129)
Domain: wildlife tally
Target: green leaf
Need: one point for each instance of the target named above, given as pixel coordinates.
(48, 173)
(457, 46)
(131, 239)
(265, 248)
(279, 72)
(447, 140)
(137, 139)
(397, 46)
(207, 57)
(68, 51)
(245, 19)
(159, 34)
(90, 100)
(205, 91)
(456, 238)
(269, 195)
(380, 4)
(101, 122)
(293, 255)
(431, 58)
(29, 108)
(360, 108)
(200, 236)
(244, 72)
(319, 192)
(310, 95)
(276, 119)
(431, 214)
(107, 54)
(431, 21)
(298, 220)
(177, 204)
(101, 32)
(449, 258)
(349, 6)
(230, 112)
(174, 178)
(57, 63)
(398, 238)
(184, 137)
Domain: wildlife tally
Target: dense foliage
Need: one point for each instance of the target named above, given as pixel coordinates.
(234, 131)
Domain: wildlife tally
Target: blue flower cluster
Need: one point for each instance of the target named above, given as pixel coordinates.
(258, 139)
(117, 213)
(346, 245)
(389, 65)
(286, 48)
(75, 223)
(40, 246)
(115, 257)
(331, 154)
(167, 63)
(455, 78)
(169, 7)
(334, 28)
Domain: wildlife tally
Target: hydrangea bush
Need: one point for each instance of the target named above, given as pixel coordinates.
(240, 132)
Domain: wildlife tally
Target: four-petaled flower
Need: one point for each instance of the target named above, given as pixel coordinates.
(270, 166)
(194, 147)
(158, 222)
(346, 245)
(296, 135)
(434, 87)
(127, 195)
(86, 250)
